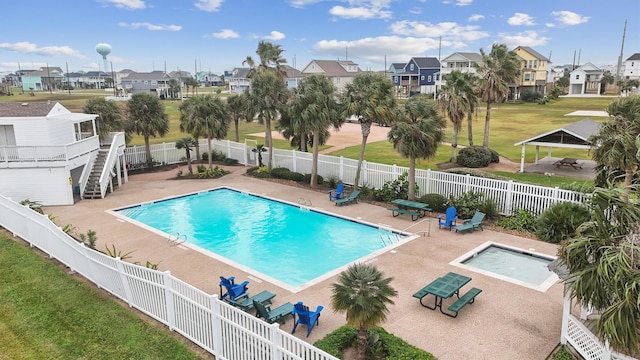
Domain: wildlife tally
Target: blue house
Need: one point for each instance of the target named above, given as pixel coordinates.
(419, 75)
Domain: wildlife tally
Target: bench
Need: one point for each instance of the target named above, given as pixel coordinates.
(397, 212)
(467, 298)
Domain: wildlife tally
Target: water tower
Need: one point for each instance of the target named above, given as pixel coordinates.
(104, 49)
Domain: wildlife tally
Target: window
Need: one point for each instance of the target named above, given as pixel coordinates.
(530, 63)
(395, 79)
(428, 78)
(535, 64)
(411, 67)
(577, 76)
(422, 77)
(527, 77)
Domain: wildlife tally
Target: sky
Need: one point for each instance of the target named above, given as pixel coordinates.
(218, 35)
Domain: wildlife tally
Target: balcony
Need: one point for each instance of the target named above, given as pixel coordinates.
(46, 156)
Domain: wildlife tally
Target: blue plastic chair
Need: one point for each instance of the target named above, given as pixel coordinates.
(448, 219)
(234, 291)
(337, 193)
(305, 317)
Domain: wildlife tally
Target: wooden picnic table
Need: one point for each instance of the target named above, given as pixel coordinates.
(442, 288)
(414, 205)
(572, 162)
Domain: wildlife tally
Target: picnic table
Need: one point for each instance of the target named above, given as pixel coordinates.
(422, 208)
(568, 162)
(442, 288)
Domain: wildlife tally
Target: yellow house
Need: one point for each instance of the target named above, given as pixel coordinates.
(533, 71)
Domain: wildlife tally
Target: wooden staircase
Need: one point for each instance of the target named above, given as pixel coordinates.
(92, 190)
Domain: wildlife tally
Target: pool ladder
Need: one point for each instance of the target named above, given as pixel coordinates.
(305, 202)
(391, 239)
(175, 240)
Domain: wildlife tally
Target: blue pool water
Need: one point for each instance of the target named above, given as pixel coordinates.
(288, 243)
(522, 266)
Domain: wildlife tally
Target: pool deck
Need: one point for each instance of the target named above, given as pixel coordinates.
(507, 321)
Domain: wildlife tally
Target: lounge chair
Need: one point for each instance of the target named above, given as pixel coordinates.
(278, 314)
(306, 317)
(234, 291)
(351, 199)
(246, 304)
(471, 224)
(448, 219)
(337, 193)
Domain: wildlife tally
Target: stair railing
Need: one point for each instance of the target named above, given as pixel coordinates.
(86, 172)
(110, 162)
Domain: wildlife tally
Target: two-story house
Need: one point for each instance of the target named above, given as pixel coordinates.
(53, 156)
(340, 72)
(208, 79)
(155, 82)
(533, 72)
(237, 80)
(584, 79)
(419, 75)
(464, 62)
(632, 67)
(43, 79)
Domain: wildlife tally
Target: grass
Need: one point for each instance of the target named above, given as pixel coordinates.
(46, 314)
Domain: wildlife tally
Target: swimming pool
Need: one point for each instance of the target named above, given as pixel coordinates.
(526, 268)
(288, 244)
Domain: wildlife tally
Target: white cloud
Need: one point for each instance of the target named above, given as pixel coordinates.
(151, 27)
(569, 18)
(225, 34)
(359, 12)
(463, 2)
(208, 5)
(30, 48)
(415, 10)
(550, 25)
(520, 19)
(126, 4)
(302, 3)
(476, 17)
(274, 35)
(444, 29)
(525, 38)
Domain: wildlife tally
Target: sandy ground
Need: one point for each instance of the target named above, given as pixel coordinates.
(588, 113)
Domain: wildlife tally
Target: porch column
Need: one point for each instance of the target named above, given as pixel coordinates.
(566, 311)
(537, 153)
(522, 158)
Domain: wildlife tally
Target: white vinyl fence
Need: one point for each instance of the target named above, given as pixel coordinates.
(508, 195)
(226, 332)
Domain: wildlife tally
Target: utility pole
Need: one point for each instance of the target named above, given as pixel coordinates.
(624, 32)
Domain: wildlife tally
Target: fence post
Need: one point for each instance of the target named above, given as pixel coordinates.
(216, 320)
(124, 280)
(276, 341)
(294, 161)
(508, 204)
(467, 183)
(228, 148)
(168, 293)
(164, 153)
(364, 179)
(341, 168)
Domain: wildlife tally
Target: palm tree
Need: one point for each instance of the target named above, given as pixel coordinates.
(362, 292)
(315, 106)
(371, 97)
(147, 117)
(205, 115)
(187, 143)
(110, 115)
(417, 134)
(453, 103)
(240, 109)
(469, 91)
(604, 262)
(259, 149)
(616, 140)
(499, 68)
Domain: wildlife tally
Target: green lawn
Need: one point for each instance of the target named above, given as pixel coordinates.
(46, 314)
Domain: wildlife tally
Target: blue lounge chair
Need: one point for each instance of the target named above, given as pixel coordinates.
(234, 291)
(337, 193)
(448, 219)
(471, 224)
(278, 314)
(306, 317)
(351, 199)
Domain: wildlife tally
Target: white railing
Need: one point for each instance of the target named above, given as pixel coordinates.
(86, 171)
(584, 341)
(226, 332)
(117, 142)
(508, 195)
(48, 154)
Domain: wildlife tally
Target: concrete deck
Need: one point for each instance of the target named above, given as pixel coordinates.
(545, 166)
(507, 321)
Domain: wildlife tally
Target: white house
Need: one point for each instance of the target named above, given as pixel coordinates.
(585, 78)
(49, 154)
(632, 67)
(339, 72)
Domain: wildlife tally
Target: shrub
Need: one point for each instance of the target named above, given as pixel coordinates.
(230, 161)
(530, 96)
(436, 202)
(468, 203)
(217, 155)
(495, 157)
(207, 173)
(333, 181)
(307, 179)
(394, 189)
(579, 187)
(521, 220)
(205, 156)
(286, 174)
(560, 221)
(259, 172)
(490, 209)
(474, 157)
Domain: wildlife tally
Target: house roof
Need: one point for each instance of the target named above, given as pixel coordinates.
(471, 56)
(292, 72)
(154, 75)
(426, 62)
(590, 68)
(335, 68)
(398, 66)
(635, 56)
(533, 52)
(577, 133)
(240, 73)
(26, 109)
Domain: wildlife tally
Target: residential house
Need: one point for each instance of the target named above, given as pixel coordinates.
(585, 78)
(53, 156)
(208, 79)
(237, 81)
(340, 72)
(533, 72)
(155, 82)
(294, 76)
(87, 80)
(464, 62)
(632, 67)
(43, 79)
(419, 75)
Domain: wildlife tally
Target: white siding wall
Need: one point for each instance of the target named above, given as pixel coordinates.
(31, 132)
(60, 132)
(47, 186)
